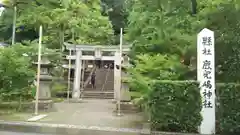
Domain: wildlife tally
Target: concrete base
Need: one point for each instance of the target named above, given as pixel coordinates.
(118, 114)
(44, 104)
(127, 107)
(125, 94)
(36, 118)
(146, 128)
(122, 101)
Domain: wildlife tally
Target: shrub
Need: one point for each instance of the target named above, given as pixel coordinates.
(175, 106)
(16, 75)
(147, 68)
(158, 67)
(228, 111)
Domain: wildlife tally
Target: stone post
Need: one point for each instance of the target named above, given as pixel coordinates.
(44, 96)
(121, 84)
(116, 75)
(125, 94)
(77, 78)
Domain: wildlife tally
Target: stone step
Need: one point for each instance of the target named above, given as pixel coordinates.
(98, 89)
(104, 79)
(97, 94)
(100, 84)
(107, 87)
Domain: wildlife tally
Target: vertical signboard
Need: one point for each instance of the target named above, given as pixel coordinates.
(206, 78)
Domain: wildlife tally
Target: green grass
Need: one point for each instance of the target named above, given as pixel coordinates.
(15, 116)
(11, 114)
(10, 111)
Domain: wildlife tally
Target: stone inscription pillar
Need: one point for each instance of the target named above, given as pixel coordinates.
(117, 74)
(77, 78)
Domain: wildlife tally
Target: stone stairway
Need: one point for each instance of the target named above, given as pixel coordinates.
(104, 85)
(98, 94)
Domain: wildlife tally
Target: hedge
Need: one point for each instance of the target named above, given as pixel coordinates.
(228, 110)
(175, 106)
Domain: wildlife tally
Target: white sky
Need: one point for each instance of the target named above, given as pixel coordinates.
(1, 10)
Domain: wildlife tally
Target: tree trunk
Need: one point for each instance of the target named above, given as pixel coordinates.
(194, 7)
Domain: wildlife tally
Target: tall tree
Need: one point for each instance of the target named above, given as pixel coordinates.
(67, 17)
(116, 10)
(160, 26)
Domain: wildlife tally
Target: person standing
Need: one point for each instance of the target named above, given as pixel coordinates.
(93, 77)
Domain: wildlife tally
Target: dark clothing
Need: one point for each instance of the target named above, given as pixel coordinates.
(93, 77)
(93, 80)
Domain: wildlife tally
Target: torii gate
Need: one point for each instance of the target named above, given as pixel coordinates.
(98, 55)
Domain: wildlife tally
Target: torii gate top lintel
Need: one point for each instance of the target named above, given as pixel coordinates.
(125, 48)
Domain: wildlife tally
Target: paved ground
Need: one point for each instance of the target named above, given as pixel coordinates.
(92, 113)
(19, 133)
(89, 113)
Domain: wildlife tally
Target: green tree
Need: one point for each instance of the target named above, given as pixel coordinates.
(68, 19)
(16, 74)
(160, 27)
(150, 68)
(171, 27)
(226, 36)
(116, 10)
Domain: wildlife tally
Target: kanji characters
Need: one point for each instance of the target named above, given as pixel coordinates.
(207, 74)
(207, 93)
(207, 51)
(207, 41)
(207, 84)
(207, 104)
(206, 64)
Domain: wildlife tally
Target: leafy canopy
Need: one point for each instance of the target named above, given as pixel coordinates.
(72, 20)
(16, 74)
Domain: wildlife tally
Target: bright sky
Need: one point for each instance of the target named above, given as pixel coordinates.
(1, 10)
(3, 1)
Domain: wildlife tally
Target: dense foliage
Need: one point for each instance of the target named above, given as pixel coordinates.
(74, 21)
(18, 71)
(157, 67)
(166, 97)
(16, 75)
(159, 26)
(171, 27)
(175, 106)
(163, 35)
(228, 115)
(227, 39)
